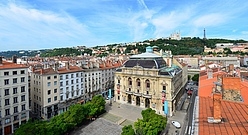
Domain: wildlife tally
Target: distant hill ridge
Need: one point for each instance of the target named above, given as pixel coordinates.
(186, 45)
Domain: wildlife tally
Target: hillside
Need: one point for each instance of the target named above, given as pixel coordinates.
(190, 46)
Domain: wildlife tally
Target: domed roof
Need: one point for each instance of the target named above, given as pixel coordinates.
(146, 60)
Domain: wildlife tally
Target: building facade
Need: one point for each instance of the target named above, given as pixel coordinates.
(14, 102)
(44, 93)
(151, 81)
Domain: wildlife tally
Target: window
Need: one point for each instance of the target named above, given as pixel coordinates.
(23, 107)
(22, 71)
(6, 81)
(14, 90)
(14, 80)
(7, 120)
(23, 89)
(49, 77)
(67, 95)
(22, 79)
(138, 82)
(55, 90)
(72, 75)
(67, 83)
(6, 92)
(49, 84)
(77, 81)
(147, 84)
(130, 81)
(72, 81)
(48, 92)
(7, 112)
(72, 94)
(61, 83)
(6, 102)
(49, 100)
(61, 98)
(66, 76)
(164, 87)
(55, 98)
(61, 77)
(16, 109)
(16, 117)
(55, 83)
(23, 98)
(118, 81)
(15, 99)
(6, 73)
(14, 72)
(55, 77)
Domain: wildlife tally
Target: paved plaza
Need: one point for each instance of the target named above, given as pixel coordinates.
(111, 123)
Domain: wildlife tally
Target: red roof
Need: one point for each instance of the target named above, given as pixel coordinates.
(235, 118)
(235, 114)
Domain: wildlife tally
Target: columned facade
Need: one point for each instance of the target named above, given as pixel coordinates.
(147, 81)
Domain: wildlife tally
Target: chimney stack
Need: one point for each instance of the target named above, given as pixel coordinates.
(14, 59)
(1, 60)
(217, 107)
(67, 65)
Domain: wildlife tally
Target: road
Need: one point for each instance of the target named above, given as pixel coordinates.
(190, 113)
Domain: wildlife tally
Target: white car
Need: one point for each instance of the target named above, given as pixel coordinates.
(176, 124)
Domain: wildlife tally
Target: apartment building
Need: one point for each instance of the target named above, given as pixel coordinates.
(152, 81)
(71, 80)
(44, 92)
(108, 69)
(14, 103)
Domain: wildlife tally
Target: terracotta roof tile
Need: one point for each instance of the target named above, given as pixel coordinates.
(11, 65)
(235, 114)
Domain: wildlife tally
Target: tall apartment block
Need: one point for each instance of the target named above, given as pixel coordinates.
(14, 101)
(44, 93)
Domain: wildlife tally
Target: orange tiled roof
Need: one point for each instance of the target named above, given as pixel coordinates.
(71, 69)
(206, 85)
(235, 115)
(11, 65)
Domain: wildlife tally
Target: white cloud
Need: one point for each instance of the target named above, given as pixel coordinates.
(168, 22)
(213, 19)
(29, 28)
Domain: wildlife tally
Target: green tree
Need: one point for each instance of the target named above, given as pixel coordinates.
(128, 130)
(195, 77)
(151, 124)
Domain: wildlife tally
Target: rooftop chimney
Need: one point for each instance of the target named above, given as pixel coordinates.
(67, 65)
(14, 59)
(217, 107)
(1, 60)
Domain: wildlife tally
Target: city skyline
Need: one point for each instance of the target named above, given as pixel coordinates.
(37, 24)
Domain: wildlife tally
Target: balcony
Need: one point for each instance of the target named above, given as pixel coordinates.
(129, 92)
(147, 95)
(137, 94)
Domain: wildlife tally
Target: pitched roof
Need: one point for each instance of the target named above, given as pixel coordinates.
(11, 65)
(235, 114)
(235, 118)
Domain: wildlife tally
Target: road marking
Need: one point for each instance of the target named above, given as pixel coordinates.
(186, 130)
(189, 130)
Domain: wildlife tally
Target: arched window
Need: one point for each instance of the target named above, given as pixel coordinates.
(129, 81)
(138, 82)
(147, 83)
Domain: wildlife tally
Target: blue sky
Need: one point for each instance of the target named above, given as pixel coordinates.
(40, 24)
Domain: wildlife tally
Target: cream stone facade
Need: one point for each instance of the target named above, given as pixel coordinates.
(152, 81)
(45, 93)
